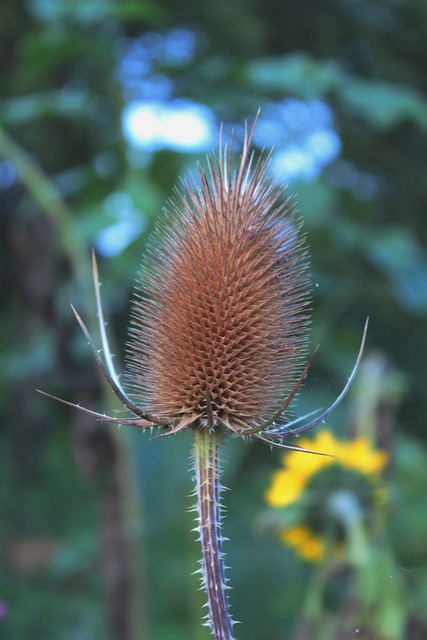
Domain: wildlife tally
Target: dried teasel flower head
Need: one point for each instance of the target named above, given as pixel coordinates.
(220, 323)
(219, 332)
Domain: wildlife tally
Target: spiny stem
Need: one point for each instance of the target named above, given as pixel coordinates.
(208, 488)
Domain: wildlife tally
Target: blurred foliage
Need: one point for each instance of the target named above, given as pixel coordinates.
(83, 505)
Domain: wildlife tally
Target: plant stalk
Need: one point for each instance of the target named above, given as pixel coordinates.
(208, 488)
(45, 193)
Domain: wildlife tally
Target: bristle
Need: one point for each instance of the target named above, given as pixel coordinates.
(221, 312)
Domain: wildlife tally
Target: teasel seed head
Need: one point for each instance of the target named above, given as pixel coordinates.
(220, 322)
(219, 333)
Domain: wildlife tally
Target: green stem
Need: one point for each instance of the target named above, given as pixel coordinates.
(38, 184)
(44, 192)
(208, 489)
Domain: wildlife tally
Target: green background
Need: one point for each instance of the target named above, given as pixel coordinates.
(94, 520)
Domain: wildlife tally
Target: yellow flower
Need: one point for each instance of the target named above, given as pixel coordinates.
(290, 484)
(286, 488)
(359, 455)
(304, 542)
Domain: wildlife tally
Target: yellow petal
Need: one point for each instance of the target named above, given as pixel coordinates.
(286, 488)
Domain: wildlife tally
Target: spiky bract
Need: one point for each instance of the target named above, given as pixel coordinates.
(220, 321)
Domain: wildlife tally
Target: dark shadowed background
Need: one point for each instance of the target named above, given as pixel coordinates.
(103, 105)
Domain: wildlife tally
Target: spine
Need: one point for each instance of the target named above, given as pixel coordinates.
(208, 488)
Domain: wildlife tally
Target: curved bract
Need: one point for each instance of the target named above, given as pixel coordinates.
(220, 320)
(219, 333)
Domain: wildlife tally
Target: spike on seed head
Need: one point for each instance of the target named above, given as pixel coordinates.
(219, 333)
(220, 323)
(219, 327)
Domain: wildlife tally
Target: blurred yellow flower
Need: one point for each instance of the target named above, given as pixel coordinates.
(307, 545)
(294, 483)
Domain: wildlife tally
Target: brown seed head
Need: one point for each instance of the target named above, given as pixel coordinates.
(220, 321)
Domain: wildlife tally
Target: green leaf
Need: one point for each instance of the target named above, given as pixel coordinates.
(296, 74)
(30, 107)
(89, 12)
(383, 104)
(398, 255)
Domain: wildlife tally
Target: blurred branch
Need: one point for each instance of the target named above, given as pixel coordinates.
(43, 190)
(38, 184)
(45, 193)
